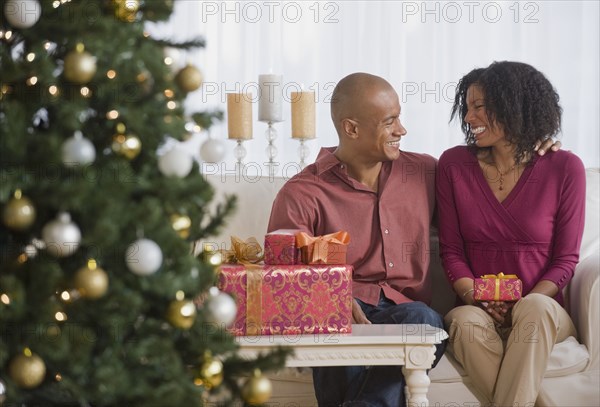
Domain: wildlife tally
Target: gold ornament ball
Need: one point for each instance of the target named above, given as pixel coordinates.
(181, 224)
(257, 389)
(126, 10)
(80, 66)
(27, 371)
(181, 314)
(127, 145)
(91, 281)
(189, 78)
(18, 213)
(211, 373)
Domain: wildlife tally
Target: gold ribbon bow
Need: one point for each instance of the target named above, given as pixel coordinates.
(243, 252)
(499, 277)
(321, 244)
(249, 253)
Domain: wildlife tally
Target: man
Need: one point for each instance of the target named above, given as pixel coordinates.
(385, 199)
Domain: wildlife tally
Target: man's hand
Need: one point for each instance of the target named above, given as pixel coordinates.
(548, 144)
(358, 316)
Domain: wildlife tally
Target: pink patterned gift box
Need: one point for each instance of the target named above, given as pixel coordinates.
(280, 247)
(499, 287)
(289, 299)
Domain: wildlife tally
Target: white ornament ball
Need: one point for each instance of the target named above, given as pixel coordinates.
(61, 236)
(143, 257)
(78, 150)
(212, 151)
(221, 307)
(2, 392)
(22, 13)
(175, 163)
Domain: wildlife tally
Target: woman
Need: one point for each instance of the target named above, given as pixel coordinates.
(503, 208)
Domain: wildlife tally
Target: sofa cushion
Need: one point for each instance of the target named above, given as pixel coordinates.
(567, 357)
(591, 231)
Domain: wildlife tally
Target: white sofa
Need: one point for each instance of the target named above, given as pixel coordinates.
(573, 374)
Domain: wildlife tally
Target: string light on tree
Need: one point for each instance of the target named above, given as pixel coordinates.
(22, 13)
(19, 212)
(27, 369)
(61, 236)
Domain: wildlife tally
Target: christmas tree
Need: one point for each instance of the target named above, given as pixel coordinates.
(97, 275)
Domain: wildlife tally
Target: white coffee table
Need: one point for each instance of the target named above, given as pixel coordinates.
(411, 345)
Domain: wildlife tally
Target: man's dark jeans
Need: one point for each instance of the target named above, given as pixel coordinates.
(377, 386)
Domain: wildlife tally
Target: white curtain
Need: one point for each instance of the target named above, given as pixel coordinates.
(421, 47)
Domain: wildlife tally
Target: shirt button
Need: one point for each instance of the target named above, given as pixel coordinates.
(387, 232)
(341, 165)
(391, 264)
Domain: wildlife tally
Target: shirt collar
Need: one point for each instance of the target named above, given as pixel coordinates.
(326, 160)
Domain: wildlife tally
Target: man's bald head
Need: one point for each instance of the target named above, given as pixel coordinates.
(353, 94)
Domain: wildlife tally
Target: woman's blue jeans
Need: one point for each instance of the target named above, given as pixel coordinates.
(377, 386)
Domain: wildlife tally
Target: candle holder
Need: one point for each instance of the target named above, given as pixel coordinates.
(239, 123)
(303, 151)
(303, 121)
(271, 150)
(239, 152)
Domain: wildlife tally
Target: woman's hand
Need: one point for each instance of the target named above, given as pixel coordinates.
(358, 316)
(500, 311)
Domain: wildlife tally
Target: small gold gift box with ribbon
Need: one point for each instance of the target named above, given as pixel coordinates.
(500, 287)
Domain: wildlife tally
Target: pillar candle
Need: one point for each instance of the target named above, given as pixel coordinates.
(239, 116)
(271, 100)
(303, 115)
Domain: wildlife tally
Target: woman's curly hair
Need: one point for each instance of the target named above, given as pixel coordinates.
(518, 99)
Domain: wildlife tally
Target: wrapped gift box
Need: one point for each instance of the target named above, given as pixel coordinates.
(497, 288)
(280, 247)
(326, 249)
(289, 299)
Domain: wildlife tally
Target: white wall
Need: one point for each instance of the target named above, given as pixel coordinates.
(422, 48)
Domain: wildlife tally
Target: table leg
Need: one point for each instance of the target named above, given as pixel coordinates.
(417, 383)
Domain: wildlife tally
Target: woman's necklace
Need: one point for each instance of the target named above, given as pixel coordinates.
(502, 174)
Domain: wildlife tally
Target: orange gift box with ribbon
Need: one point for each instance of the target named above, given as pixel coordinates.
(501, 287)
(288, 299)
(326, 249)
